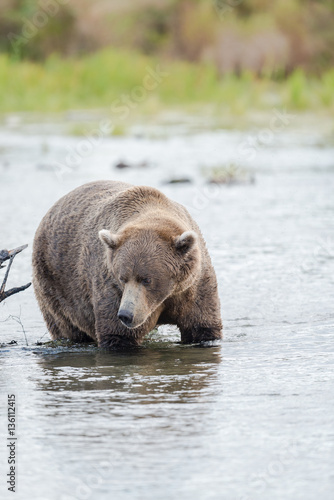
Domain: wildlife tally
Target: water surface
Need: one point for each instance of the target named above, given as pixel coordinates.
(251, 418)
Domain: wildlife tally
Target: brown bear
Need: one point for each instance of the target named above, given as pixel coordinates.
(111, 261)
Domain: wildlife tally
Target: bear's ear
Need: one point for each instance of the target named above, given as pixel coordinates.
(109, 239)
(186, 241)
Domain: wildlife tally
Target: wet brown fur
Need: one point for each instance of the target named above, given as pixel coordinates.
(79, 281)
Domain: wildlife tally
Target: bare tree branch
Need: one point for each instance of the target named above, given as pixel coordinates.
(10, 255)
(7, 254)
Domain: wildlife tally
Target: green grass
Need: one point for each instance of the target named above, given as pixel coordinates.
(102, 80)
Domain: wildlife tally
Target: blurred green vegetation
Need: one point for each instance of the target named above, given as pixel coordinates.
(117, 80)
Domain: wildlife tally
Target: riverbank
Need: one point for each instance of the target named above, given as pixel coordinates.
(125, 83)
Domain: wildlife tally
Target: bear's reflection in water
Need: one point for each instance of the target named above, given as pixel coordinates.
(157, 373)
(134, 413)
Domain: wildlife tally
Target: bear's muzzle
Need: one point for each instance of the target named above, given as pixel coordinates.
(133, 310)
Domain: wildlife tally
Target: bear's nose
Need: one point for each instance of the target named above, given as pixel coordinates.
(125, 316)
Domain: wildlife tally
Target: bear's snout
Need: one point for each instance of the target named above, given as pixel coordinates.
(132, 311)
(125, 316)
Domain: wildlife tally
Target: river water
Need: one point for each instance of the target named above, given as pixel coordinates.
(251, 418)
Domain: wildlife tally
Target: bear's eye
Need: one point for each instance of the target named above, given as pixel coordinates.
(146, 281)
(122, 279)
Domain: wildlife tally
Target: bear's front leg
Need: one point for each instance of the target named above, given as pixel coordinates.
(200, 321)
(199, 334)
(109, 330)
(113, 335)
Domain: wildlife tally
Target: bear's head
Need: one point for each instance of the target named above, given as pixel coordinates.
(148, 266)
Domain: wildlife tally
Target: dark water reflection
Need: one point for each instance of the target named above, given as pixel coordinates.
(151, 374)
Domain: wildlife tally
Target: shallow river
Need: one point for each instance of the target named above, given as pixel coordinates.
(251, 418)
